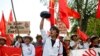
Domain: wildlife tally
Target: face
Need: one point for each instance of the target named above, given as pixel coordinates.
(75, 38)
(19, 40)
(39, 39)
(53, 33)
(96, 41)
(27, 40)
(2, 42)
(67, 42)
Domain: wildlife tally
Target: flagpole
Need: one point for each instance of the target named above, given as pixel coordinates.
(14, 16)
(16, 23)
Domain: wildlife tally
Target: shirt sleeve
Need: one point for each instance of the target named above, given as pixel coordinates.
(60, 52)
(44, 35)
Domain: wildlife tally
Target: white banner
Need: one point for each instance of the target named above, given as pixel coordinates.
(23, 27)
(86, 52)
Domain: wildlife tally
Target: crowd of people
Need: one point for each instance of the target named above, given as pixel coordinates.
(52, 44)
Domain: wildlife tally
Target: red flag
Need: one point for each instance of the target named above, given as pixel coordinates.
(73, 13)
(3, 25)
(3, 30)
(10, 17)
(63, 13)
(82, 35)
(10, 51)
(98, 10)
(51, 11)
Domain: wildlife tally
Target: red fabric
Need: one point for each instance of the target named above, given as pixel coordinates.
(82, 35)
(3, 25)
(73, 13)
(10, 17)
(51, 11)
(3, 30)
(10, 51)
(98, 10)
(38, 50)
(63, 13)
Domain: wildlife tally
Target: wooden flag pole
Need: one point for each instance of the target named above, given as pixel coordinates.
(16, 23)
(14, 16)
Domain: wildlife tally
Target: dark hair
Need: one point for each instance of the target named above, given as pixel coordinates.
(17, 37)
(29, 37)
(38, 36)
(55, 28)
(93, 38)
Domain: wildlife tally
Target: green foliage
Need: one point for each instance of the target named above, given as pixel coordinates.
(93, 26)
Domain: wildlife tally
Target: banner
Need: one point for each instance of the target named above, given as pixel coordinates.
(86, 52)
(23, 27)
(10, 51)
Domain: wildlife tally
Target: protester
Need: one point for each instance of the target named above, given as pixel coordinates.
(52, 45)
(2, 41)
(18, 41)
(27, 47)
(66, 46)
(94, 42)
(61, 38)
(75, 42)
(38, 46)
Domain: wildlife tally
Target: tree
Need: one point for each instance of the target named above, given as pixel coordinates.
(87, 9)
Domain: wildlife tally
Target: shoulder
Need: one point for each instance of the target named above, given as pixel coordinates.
(31, 45)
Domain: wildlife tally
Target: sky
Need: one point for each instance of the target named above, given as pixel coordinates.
(26, 10)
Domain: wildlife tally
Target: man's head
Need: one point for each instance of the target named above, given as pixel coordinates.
(54, 31)
(2, 41)
(27, 39)
(19, 38)
(74, 37)
(94, 39)
(39, 38)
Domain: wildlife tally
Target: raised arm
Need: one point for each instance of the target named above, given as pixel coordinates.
(43, 33)
(41, 23)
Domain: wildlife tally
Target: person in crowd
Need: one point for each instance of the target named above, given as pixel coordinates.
(61, 38)
(94, 42)
(28, 48)
(75, 42)
(66, 46)
(18, 41)
(2, 41)
(38, 46)
(51, 44)
(85, 44)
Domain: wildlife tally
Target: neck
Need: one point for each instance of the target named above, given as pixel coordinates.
(53, 38)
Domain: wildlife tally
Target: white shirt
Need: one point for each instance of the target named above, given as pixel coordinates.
(48, 49)
(28, 50)
(17, 44)
(85, 45)
(72, 43)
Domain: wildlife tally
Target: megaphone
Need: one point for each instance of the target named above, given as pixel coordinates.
(45, 14)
